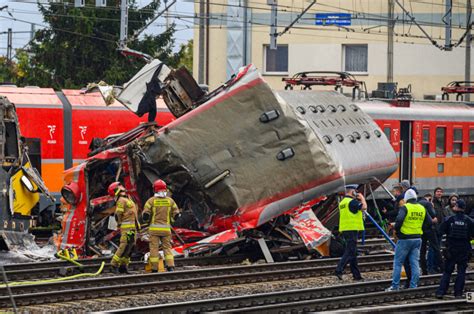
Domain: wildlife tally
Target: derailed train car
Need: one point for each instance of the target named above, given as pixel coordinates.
(243, 162)
(20, 183)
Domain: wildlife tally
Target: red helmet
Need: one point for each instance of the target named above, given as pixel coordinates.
(114, 188)
(159, 185)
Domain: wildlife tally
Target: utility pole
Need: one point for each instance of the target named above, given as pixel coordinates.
(9, 47)
(123, 23)
(245, 60)
(273, 23)
(201, 47)
(167, 18)
(32, 32)
(448, 17)
(467, 73)
(391, 28)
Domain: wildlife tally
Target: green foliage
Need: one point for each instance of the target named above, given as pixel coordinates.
(185, 55)
(7, 71)
(80, 46)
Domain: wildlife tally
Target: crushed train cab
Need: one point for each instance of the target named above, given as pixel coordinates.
(242, 161)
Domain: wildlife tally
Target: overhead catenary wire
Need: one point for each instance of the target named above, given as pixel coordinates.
(359, 14)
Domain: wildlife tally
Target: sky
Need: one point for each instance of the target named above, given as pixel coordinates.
(26, 12)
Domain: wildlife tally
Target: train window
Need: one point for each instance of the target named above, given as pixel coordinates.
(387, 131)
(471, 141)
(440, 141)
(425, 143)
(457, 141)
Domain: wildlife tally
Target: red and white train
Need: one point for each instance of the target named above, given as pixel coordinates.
(60, 125)
(434, 140)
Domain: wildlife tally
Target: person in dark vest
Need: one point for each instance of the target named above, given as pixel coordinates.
(351, 221)
(409, 226)
(459, 230)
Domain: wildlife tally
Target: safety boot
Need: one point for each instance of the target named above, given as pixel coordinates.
(114, 269)
(123, 269)
(169, 268)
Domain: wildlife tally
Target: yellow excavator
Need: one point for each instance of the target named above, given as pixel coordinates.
(21, 185)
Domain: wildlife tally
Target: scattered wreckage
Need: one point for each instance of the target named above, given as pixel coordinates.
(20, 184)
(248, 166)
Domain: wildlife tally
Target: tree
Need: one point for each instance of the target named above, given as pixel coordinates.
(8, 71)
(80, 46)
(185, 55)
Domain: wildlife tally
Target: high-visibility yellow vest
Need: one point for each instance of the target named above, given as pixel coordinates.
(348, 221)
(413, 222)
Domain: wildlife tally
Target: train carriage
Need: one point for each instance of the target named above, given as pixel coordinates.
(434, 142)
(60, 125)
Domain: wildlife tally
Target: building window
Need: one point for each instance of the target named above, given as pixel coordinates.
(457, 141)
(440, 141)
(355, 58)
(387, 130)
(425, 143)
(276, 60)
(471, 141)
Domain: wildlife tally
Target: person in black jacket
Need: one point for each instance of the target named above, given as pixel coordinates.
(429, 239)
(459, 229)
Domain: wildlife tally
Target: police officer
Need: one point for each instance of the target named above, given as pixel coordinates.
(411, 220)
(350, 223)
(126, 217)
(160, 211)
(459, 229)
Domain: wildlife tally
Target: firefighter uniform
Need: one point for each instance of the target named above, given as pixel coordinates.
(459, 229)
(350, 223)
(126, 216)
(162, 210)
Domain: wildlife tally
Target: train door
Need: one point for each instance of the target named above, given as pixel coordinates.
(406, 150)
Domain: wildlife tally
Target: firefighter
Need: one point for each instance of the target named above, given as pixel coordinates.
(127, 221)
(160, 211)
(350, 223)
(459, 229)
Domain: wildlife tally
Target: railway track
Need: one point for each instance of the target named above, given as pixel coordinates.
(328, 298)
(30, 271)
(180, 280)
(52, 269)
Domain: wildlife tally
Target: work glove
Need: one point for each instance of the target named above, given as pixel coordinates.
(146, 217)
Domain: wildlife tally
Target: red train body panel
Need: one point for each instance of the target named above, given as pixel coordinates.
(65, 122)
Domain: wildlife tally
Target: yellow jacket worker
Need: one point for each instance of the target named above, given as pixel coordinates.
(126, 216)
(160, 211)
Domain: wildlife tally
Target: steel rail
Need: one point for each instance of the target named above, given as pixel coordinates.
(30, 271)
(431, 306)
(347, 301)
(38, 271)
(180, 280)
(200, 261)
(275, 298)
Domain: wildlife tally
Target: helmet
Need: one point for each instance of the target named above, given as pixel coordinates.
(159, 185)
(114, 188)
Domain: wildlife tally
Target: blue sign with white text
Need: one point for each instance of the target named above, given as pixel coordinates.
(341, 19)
